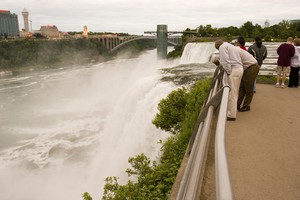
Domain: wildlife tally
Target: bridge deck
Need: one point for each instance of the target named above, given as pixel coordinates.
(264, 146)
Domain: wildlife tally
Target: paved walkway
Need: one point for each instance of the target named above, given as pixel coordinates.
(264, 146)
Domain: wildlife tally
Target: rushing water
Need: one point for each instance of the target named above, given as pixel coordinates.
(197, 53)
(63, 131)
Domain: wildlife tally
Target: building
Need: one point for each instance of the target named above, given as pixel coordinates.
(85, 32)
(50, 31)
(267, 24)
(9, 25)
(25, 14)
(295, 21)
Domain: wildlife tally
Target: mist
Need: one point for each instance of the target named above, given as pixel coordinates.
(73, 127)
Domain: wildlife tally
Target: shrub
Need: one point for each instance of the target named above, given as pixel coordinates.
(171, 111)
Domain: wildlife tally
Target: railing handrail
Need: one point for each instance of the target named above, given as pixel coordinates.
(223, 183)
(191, 182)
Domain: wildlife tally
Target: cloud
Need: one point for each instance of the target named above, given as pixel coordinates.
(133, 16)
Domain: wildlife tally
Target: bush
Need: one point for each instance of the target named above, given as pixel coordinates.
(86, 196)
(171, 111)
(268, 38)
(177, 52)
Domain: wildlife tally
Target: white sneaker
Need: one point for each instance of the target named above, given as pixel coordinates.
(277, 85)
(282, 85)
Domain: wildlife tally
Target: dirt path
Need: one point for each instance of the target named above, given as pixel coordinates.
(264, 146)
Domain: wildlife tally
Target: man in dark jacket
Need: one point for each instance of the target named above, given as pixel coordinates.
(259, 52)
(285, 51)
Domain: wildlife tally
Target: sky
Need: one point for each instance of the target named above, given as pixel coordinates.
(137, 16)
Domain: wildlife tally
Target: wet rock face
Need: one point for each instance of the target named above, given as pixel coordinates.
(186, 74)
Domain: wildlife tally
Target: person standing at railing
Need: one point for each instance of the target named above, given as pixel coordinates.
(259, 52)
(246, 92)
(241, 43)
(295, 65)
(231, 62)
(285, 52)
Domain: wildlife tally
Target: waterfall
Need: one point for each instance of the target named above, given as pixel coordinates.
(64, 131)
(197, 52)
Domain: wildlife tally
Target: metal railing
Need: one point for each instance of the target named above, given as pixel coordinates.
(190, 186)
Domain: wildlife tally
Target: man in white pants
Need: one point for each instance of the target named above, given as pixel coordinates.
(231, 61)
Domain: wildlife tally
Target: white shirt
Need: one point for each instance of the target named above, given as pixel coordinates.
(247, 58)
(230, 57)
(295, 60)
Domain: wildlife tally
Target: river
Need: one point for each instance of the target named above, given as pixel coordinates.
(64, 130)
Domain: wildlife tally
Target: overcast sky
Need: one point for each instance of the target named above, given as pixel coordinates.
(137, 16)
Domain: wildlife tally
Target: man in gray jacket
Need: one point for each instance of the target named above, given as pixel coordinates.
(259, 52)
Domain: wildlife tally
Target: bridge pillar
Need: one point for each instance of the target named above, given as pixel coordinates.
(162, 41)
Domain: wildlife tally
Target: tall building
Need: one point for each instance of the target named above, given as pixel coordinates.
(25, 14)
(267, 24)
(295, 21)
(9, 25)
(85, 32)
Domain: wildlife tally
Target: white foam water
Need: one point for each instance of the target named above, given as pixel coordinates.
(63, 131)
(197, 52)
(74, 127)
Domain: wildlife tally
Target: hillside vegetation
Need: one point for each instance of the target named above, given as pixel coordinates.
(48, 53)
(207, 33)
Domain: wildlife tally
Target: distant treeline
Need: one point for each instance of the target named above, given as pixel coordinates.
(37, 53)
(275, 33)
(280, 31)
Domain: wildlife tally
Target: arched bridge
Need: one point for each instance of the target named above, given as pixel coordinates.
(113, 43)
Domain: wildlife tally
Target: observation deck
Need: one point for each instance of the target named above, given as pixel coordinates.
(255, 157)
(263, 148)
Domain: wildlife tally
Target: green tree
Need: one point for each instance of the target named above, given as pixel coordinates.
(248, 29)
(86, 196)
(201, 31)
(244, 32)
(276, 30)
(258, 30)
(229, 37)
(207, 31)
(284, 24)
(285, 29)
(269, 31)
(268, 38)
(295, 27)
(171, 113)
(146, 186)
(225, 31)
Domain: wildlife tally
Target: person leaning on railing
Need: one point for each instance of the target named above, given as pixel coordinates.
(246, 91)
(231, 62)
